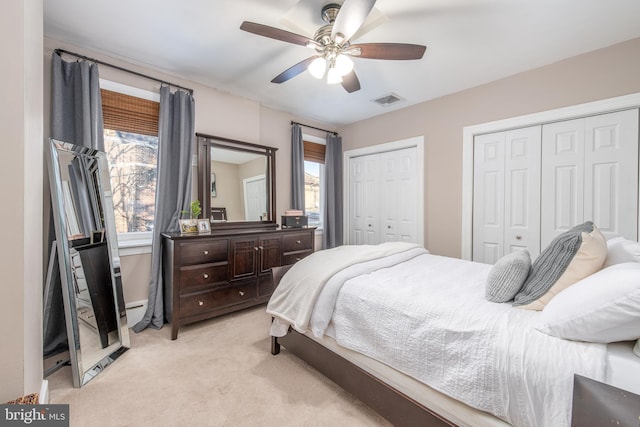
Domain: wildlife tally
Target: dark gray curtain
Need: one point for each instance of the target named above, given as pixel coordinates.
(76, 117)
(173, 188)
(76, 104)
(297, 168)
(332, 211)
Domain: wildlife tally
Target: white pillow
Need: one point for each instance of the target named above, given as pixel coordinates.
(603, 307)
(620, 250)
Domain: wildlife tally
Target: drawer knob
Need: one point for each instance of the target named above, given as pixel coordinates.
(298, 259)
(241, 293)
(205, 252)
(298, 242)
(261, 247)
(205, 275)
(200, 302)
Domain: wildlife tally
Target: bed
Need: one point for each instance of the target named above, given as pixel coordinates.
(413, 335)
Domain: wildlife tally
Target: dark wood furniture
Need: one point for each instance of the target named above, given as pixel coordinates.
(228, 270)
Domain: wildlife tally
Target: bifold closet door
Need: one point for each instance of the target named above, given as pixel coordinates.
(590, 172)
(398, 201)
(506, 206)
(364, 196)
(382, 197)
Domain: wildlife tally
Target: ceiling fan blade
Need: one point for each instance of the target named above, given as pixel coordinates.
(350, 82)
(276, 33)
(397, 51)
(351, 16)
(291, 72)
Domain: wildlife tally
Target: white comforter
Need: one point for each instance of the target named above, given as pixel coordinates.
(427, 317)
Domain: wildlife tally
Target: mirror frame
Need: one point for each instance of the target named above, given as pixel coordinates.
(82, 374)
(204, 145)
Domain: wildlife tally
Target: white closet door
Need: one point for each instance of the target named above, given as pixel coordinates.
(562, 178)
(590, 173)
(522, 190)
(363, 203)
(398, 201)
(611, 173)
(488, 197)
(506, 207)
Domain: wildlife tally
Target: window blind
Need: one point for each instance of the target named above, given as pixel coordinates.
(314, 152)
(128, 113)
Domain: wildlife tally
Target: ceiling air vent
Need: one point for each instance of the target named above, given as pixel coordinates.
(387, 100)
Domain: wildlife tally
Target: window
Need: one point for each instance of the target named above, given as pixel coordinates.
(131, 143)
(314, 182)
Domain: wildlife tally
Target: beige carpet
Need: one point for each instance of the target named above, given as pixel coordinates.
(217, 373)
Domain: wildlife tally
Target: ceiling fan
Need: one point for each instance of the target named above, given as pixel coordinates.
(332, 45)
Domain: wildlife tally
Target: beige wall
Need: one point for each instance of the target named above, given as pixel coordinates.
(217, 113)
(228, 190)
(21, 171)
(601, 74)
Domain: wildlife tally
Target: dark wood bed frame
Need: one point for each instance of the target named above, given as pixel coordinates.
(395, 406)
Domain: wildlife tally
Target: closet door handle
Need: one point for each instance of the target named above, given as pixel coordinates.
(518, 237)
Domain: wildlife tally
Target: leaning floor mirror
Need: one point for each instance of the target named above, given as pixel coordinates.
(87, 252)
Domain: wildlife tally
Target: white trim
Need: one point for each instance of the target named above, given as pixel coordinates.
(134, 243)
(566, 113)
(314, 139)
(43, 396)
(129, 90)
(418, 143)
(135, 311)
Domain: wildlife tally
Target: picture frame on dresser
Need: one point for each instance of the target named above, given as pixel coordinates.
(204, 226)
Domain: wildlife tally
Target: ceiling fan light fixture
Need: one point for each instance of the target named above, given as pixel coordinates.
(334, 76)
(318, 67)
(344, 64)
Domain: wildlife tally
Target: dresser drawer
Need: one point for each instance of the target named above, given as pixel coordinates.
(297, 241)
(204, 252)
(294, 257)
(194, 276)
(201, 302)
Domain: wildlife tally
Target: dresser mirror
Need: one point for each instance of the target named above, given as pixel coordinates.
(236, 182)
(87, 252)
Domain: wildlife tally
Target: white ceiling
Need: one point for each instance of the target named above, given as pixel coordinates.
(469, 42)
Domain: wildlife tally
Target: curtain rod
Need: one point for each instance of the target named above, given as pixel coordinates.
(313, 127)
(86, 58)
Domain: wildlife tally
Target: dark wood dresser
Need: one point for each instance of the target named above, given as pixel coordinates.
(228, 270)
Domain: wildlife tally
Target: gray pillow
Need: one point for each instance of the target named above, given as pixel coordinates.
(571, 256)
(507, 276)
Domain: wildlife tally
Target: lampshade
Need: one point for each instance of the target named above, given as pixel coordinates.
(344, 64)
(334, 76)
(318, 67)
